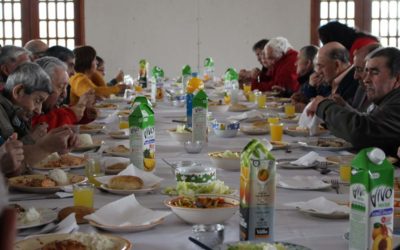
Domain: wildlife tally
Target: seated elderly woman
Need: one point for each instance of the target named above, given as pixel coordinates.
(24, 92)
(87, 77)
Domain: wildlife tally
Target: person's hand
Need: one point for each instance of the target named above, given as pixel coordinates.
(12, 156)
(91, 113)
(88, 99)
(38, 131)
(122, 87)
(120, 76)
(338, 99)
(316, 79)
(60, 140)
(312, 109)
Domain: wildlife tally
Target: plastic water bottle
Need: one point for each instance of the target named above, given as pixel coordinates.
(143, 71)
(194, 84)
(186, 75)
(208, 69)
(232, 84)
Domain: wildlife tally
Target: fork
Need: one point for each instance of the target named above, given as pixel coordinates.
(335, 185)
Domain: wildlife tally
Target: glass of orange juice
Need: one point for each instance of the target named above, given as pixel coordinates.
(261, 100)
(123, 121)
(345, 171)
(276, 131)
(227, 98)
(83, 194)
(289, 110)
(247, 88)
(273, 119)
(252, 96)
(138, 88)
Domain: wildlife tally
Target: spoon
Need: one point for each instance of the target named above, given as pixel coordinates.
(168, 163)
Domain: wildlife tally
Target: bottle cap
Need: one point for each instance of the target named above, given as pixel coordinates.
(376, 155)
(208, 62)
(194, 74)
(186, 70)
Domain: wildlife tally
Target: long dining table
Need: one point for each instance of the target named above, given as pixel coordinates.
(290, 224)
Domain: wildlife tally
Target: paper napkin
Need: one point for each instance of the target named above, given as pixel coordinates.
(126, 212)
(308, 159)
(301, 182)
(251, 115)
(310, 122)
(149, 179)
(321, 205)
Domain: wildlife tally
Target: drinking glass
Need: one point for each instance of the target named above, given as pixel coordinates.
(247, 88)
(276, 131)
(345, 171)
(289, 110)
(93, 167)
(261, 100)
(83, 194)
(123, 121)
(210, 235)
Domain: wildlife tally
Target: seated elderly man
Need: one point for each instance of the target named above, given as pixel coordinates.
(381, 126)
(333, 66)
(10, 57)
(255, 75)
(25, 91)
(37, 48)
(304, 69)
(280, 60)
(54, 115)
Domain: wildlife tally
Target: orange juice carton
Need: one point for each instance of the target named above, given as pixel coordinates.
(257, 192)
(371, 200)
(142, 137)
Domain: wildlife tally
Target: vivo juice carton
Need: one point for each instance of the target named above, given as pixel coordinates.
(371, 199)
(140, 99)
(199, 116)
(257, 192)
(142, 137)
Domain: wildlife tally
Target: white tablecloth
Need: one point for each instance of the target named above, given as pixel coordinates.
(290, 225)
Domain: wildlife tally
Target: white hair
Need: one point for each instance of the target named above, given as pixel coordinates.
(279, 46)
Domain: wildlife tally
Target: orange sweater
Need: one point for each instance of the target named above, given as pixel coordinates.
(81, 83)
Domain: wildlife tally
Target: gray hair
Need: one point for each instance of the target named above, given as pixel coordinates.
(309, 52)
(279, 46)
(341, 54)
(49, 64)
(31, 76)
(9, 53)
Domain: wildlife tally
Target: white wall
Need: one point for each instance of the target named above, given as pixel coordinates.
(171, 33)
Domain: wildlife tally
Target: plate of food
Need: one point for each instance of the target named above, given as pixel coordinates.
(255, 128)
(217, 106)
(33, 217)
(40, 183)
(124, 112)
(304, 132)
(255, 245)
(66, 161)
(274, 106)
(115, 168)
(119, 150)
(86, 147)
(216, 187)
(289, 119)
(276, 145)
(327, 144)
(237, 107)
(91, 128)
(127, 184)
(76, 240)
(119, 134)
(106, 105)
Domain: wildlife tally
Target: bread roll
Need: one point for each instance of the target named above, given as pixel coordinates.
(125, 182)
(79, 211)
(85, 140)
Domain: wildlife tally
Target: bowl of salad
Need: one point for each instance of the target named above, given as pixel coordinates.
(203, 209)
(226, 160)
(181, 134)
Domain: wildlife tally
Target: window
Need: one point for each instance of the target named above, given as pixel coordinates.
(381, 18)
(57, 22)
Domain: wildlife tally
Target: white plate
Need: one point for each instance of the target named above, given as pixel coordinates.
(313, 144)
(303, 133)
(40, 166)
(143, 190)
(91, 128)
(126, 229)
(121, 154)
(119, 134)
(94, 146)
(37, 241)
(288, 246)
(286, 164)
(238, 108)
(46, 216)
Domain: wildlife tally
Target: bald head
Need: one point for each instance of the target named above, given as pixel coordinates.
(37, 48)
(332, 60)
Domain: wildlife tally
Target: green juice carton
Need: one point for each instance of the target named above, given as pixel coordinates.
(257, 192)
(371, 200)
(142, 137)
(140, 99)
(199, 116)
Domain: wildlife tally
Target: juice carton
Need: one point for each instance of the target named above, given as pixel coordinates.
(140, 99)
(199, 116)
(142, 137)
(257, 192)
(371, 199)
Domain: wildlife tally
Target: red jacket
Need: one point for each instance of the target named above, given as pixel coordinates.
(56, 118)
(283, 74)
